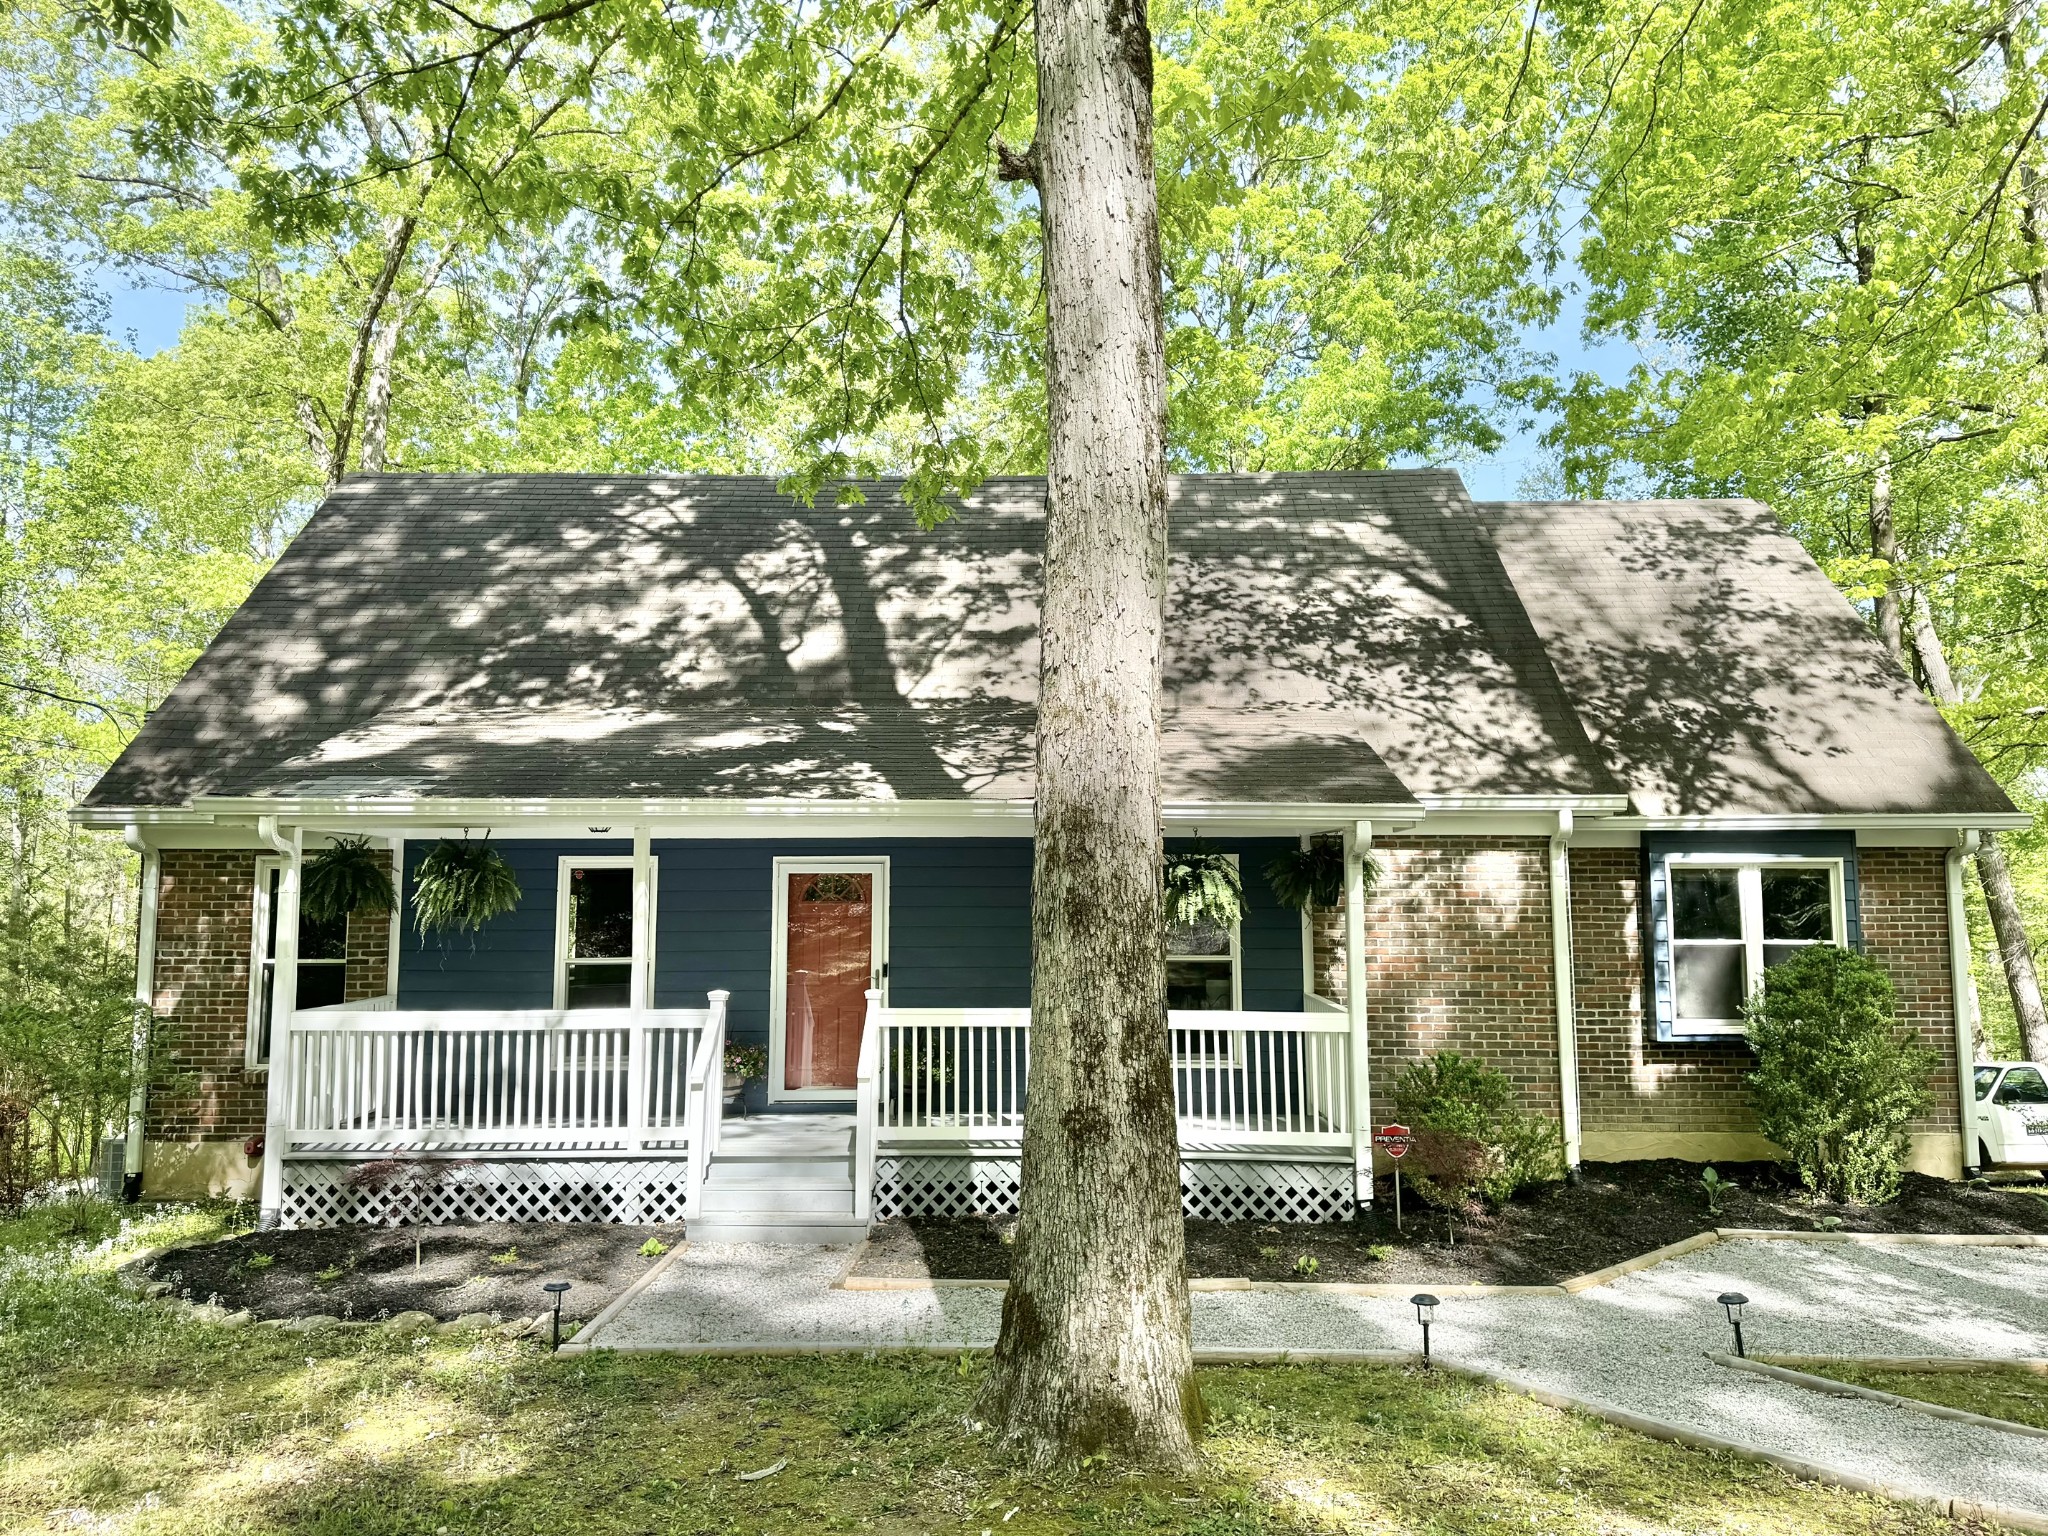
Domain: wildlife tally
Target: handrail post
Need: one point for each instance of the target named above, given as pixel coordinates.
(867, 1103)
(638, 1084)
(714, 1103)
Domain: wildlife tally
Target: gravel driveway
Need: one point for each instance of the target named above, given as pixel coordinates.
(1638, 1344)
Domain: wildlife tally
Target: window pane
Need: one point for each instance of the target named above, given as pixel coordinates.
(1198, 939)
(2023, 1085)
(1986, 1076)
(1203, 984)
(1799, 904)
(323, 941)
(1709, 980)
(263, 1011)
(1705, 905)
(599, 986)
(1777, 954)
(601, 914)
(320, 986)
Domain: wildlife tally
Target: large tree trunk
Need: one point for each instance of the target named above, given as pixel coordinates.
(1094, 1355)
(1994, 873)
(1884, 545)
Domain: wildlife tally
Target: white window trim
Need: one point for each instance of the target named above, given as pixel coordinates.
(266, 866)
(1236, 955)
(1749, 887)
(780, 869)
(643, 944)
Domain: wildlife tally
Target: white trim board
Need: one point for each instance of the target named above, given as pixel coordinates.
(780, 868)
(563, 866)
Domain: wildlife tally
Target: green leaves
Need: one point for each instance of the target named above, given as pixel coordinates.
(347, 877)
(461, 885)
(1202, 888)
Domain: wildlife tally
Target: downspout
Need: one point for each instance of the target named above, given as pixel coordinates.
(284, 1002)
(1357, 848)
(144, 1022)
(1561, 973)
(1960, 993)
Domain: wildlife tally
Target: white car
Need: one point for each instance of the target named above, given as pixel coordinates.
(2012, 1114)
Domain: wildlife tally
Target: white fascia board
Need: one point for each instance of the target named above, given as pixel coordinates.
(756, 818)
(1876, 822)
(1590, 805)
(134, 815)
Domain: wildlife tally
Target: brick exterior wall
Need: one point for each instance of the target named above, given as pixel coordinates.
(1630, 1082)
(1905, 929)
(1459, 958)
(205, 934)
(367, 971)
(206, 905)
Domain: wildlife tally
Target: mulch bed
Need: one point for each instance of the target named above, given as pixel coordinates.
(494, 1267)
(1616, 1211)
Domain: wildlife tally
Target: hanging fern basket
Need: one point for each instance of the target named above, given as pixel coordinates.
(1311, 879)
(1202, 889)
(461, 885)
(348, 877)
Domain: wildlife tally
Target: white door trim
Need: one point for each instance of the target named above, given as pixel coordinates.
(781, 868)
(643, 942)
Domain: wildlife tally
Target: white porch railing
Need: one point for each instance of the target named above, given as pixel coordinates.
(375, 1078)
(1242, 1081)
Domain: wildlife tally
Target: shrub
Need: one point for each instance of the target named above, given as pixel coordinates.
(1837, 1076)
(1471, 1135)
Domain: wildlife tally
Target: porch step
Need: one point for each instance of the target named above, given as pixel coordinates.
(781, 1179)
(784, 1231)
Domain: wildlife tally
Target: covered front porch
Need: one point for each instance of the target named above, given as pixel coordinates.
(568, 1060)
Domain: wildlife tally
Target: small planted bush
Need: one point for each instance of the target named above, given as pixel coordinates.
(1471, 1135)
(1838, 1078)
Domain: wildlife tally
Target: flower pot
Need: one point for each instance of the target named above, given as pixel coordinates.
(733, 1083)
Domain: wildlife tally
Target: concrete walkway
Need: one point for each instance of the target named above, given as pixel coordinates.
(1638, 1344)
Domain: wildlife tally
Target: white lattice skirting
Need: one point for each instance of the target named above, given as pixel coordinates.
(1210, 1190)
(639, 1192)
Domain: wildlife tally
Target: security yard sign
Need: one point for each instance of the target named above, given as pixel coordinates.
(1395, 1140)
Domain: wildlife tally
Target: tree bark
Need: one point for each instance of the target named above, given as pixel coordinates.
(1994, 872)
(1884, 545)
(1095, 1356)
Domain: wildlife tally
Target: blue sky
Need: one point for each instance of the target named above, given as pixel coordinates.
(149, 319)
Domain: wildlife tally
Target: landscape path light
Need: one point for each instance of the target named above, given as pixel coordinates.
(1425, 1307)
(1735, 1301)
(555, 1288)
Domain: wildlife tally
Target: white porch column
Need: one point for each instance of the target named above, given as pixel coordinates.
(144, 1023)
(640, 991)
(284, 1002)
(1561, 972)
(1357, 848)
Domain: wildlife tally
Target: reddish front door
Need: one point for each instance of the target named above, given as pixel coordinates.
(831, 959)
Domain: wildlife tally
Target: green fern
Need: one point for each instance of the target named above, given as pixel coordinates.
(1313, 877)
(462, 885)
(348, 877)
(1202, 886)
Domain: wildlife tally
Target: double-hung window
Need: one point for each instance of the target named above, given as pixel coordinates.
(594, 934)
(1732, 920)
(1201, 967)
(323, 961)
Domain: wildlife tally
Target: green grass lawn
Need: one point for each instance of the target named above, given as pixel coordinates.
(2008, 1393)
(116, 1416)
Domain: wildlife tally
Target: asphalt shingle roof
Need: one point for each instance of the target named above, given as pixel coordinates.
(1332, 638)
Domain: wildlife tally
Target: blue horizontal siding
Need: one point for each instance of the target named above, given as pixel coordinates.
(959, 926)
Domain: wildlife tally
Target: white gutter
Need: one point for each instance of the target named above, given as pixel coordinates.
(1961, 991)
(1561, 974)
(1870, 821)
(143, 1024)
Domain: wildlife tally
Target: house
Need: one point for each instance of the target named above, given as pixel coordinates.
(764, 773)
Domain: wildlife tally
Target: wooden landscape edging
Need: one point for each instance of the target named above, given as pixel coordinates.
(1931, 1364)
(576, 1346)
(1834, 1388)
